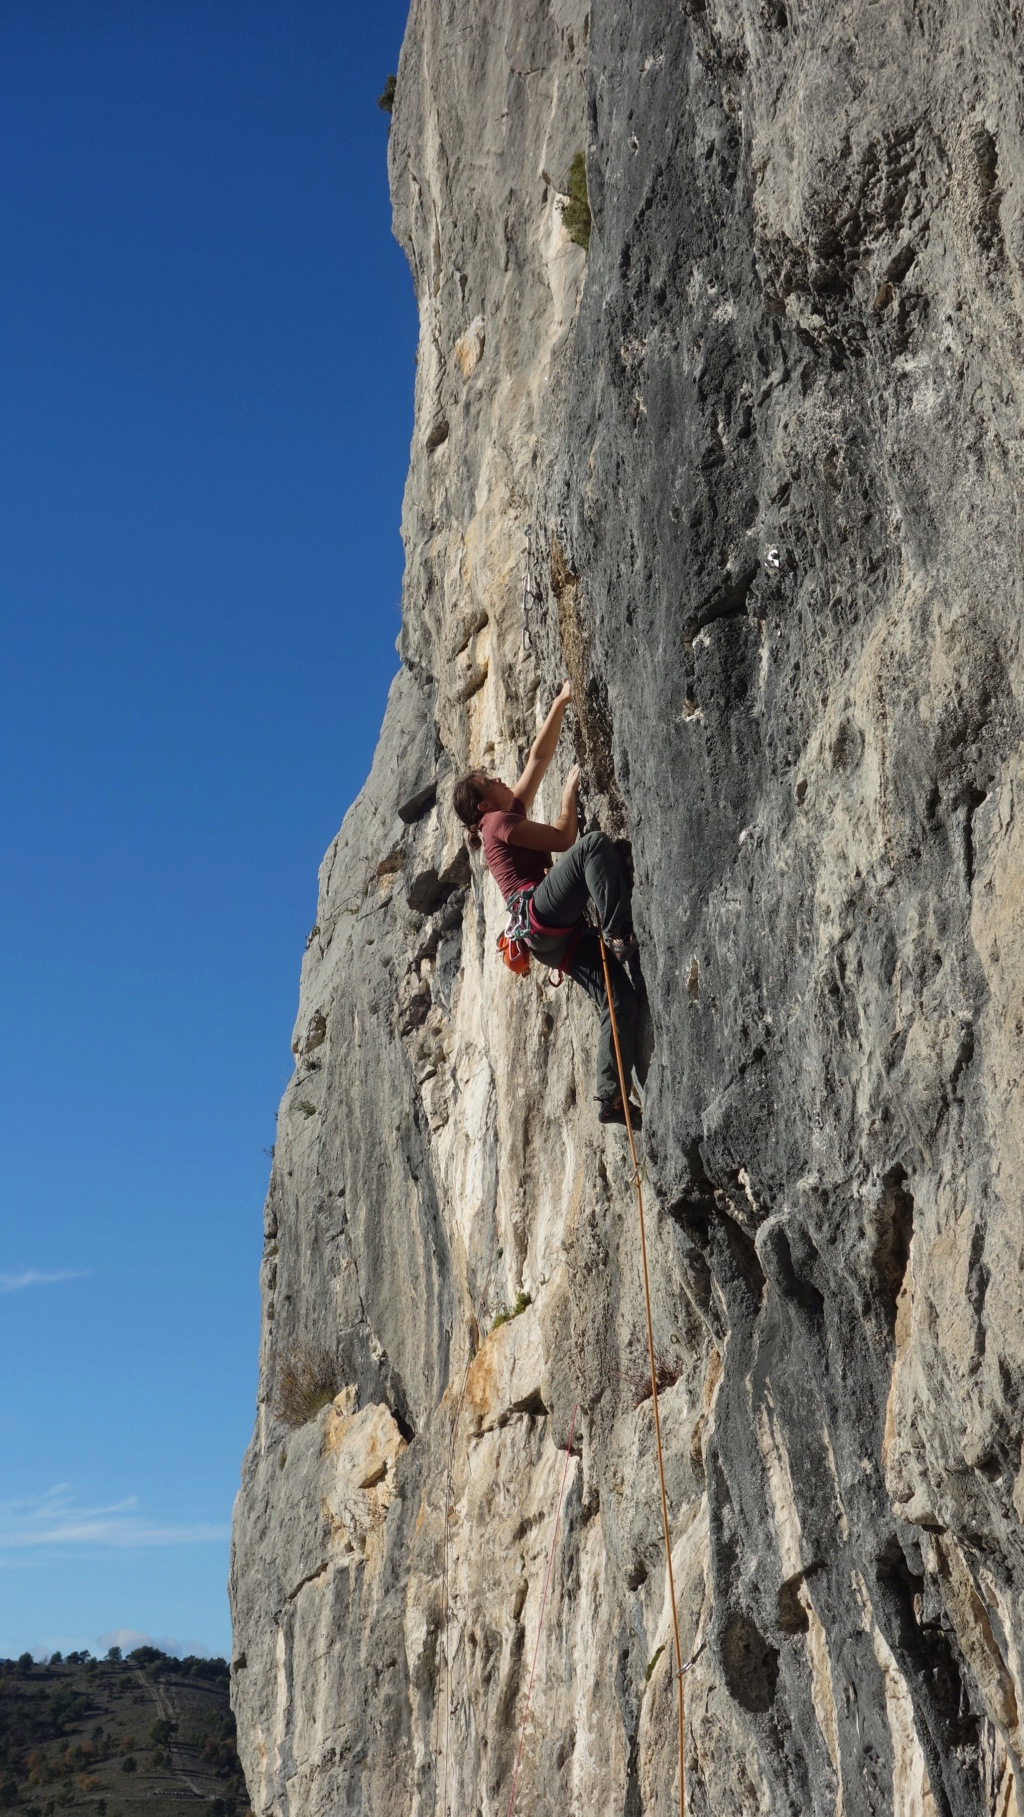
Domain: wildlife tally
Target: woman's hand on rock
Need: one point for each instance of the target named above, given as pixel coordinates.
(572, 783)
(565, 694)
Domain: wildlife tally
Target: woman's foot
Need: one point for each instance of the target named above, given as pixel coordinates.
(622, 946)
(610, 1111)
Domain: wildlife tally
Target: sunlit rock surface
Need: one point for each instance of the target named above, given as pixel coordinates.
(766, 438)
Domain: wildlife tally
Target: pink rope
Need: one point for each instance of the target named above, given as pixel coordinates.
(543, 1606)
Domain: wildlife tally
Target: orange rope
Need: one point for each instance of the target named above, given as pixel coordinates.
(654, 1383)
(543, 1606)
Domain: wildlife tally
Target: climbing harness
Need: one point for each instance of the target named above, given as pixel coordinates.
(529, 592)
(543, 1606)
(523, 927)
(638, 1183)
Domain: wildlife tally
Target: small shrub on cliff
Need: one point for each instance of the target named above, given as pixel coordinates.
(306, 1380)
(386, 103)
(667, 1371)
(635, 1374)
(576, 211)
(503, 1317)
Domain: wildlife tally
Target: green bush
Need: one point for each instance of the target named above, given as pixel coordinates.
(504, 1316)
(576, 211)
(386, 101)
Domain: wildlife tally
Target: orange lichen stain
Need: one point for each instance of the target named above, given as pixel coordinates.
(482, 1381)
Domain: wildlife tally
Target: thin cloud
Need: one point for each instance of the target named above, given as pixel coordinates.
(34, 1277)
(55, 1520)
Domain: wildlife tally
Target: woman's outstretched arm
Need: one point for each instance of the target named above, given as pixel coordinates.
(562, 833)
(542, 749)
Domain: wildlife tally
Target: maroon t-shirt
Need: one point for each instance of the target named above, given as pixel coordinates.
(513, 867)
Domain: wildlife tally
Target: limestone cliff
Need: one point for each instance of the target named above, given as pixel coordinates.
(766, 436)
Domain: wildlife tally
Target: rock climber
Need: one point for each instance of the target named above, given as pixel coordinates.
(548, 900)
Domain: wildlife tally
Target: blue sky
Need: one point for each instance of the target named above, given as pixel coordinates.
(206, 371)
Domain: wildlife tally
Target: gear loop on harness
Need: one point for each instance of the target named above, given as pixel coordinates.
(517, 939)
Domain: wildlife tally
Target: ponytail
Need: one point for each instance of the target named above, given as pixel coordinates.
(466, 802)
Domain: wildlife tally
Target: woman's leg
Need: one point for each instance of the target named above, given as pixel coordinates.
(591, 869)
(586, 968)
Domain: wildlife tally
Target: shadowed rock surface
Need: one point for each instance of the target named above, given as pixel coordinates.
(766, 436)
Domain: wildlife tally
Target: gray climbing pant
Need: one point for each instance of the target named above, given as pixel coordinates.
(591, 871)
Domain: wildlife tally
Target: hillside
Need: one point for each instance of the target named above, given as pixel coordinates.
(116, 1737)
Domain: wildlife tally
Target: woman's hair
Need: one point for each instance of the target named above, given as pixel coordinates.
(466, 802)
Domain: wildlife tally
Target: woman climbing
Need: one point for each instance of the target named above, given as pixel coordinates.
(549, 900)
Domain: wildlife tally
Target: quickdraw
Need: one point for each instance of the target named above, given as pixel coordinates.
(529, 592)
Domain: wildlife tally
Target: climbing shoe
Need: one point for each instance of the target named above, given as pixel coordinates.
(622, 946)
(610, 1111)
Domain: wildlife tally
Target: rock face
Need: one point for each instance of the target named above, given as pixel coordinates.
(766, 438)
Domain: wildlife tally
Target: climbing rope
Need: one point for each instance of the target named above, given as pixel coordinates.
(638, 1183)
(680, 1668)
(543, 1606)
